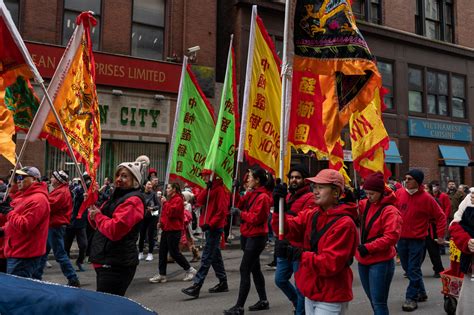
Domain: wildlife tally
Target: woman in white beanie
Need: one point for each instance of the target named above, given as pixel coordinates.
(114, 251)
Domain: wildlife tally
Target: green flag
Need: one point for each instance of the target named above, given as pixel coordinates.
(221, 156)
(194, 127)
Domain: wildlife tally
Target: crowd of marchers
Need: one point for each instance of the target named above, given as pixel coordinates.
(326, 225)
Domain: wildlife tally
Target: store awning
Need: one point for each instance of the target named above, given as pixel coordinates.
(454, 156)
(392, 155)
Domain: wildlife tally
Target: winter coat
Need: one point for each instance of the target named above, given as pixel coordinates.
(60, 202)
(172, 216)
(255, 209)
(218, 207)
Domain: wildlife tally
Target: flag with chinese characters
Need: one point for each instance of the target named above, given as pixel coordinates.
(194, 130)
(369, 138)
(18, 103)
(262, 105)
(334, 72)
(221, 155)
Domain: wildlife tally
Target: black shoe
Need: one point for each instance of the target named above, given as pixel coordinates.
(422, 297)
(79, 267)
(192, 290)
(409, 306)
(220, 287)
(234, 310)
(74, 282)
(260, 306)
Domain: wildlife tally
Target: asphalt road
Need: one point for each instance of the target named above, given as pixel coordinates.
(167, 298)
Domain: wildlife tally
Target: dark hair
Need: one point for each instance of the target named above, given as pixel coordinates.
(265, 179)
(176, 187)
(451, 181)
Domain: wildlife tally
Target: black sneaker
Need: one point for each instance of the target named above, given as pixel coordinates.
(74, 282)
(79, 267)
(220, 287)
(260, 306)
(409, 306)
(272, 265)
(436, 275)
(422, 297)
(234, 310)
(192, 290)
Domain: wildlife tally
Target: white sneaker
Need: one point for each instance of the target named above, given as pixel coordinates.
(190, 274)
(140, 256)
(149, 257)
(158, 279)
(48, 265)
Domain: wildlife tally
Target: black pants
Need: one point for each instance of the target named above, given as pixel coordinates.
(148, 228)
(90, 234)
(81, 237)
(115, 279)
(250, 264)
(170, 243)
(3, 265)
(433, 251)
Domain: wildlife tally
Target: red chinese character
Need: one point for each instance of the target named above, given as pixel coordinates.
(262, 81)
(260, 102)
(255, 121)
(264, 63)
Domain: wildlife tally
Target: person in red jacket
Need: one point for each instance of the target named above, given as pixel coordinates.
(417, 208)
(172, 224)
(60, 201)
(214, 203)
(26, 229)
(300, 197)
(329, 237)
(255, 205)
(381, 225)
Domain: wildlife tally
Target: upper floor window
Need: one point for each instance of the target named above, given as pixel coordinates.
(148, 28)
(72, 8)
(14, 7)
(386, 70)
(415, 87)
(434, 19)
(368, 10)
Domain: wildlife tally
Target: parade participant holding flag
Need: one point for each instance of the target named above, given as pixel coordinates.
(214, 203)
(255, 205)
(329, 237)
(114, 250)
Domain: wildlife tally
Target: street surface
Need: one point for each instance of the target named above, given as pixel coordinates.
(166, 298)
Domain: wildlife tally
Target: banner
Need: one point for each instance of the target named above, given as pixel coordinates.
(193, 131)
(223, 146)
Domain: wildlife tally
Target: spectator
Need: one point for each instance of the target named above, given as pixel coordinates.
(148, 229)
(455, 196)
(105, 191)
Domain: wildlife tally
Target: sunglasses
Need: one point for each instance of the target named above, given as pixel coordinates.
(21, 177)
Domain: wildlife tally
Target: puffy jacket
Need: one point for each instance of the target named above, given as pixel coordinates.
(302, 199)
(172, 216)
(385, 231)
(255, 206)
(417, 210)
(60, 202)
(26, 230)
(218, 207)
(325, 275)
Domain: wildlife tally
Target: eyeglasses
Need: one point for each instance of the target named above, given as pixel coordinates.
(21, 177)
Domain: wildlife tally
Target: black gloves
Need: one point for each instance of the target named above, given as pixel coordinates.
(236, 184)
(205, 227)
(280, 191)
(362, 250)
(235, 211)
(283, 249)
(5, 207)
(209, 184)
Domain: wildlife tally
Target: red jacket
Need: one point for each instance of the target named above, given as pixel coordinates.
(460, 237)
(3, 220)
(60, 202)
(26, 230)
(417, 210)
(124, 218)
(386, 229)
(218, 207)
(301, 200)
(326, 276)
(172, 216)
(444, 202)
(255, 206)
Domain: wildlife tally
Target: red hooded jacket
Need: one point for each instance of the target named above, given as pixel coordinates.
(385, 231)
(60, 202)
(172, 215)
(417, 210)
(444, 202)
(26, 230)
(460, 237)
(255, 206)
(218, 207)
(326, 276)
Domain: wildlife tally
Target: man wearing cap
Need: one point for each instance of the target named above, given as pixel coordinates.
(417, 208)
(60, 201)
(26, 229)
(300, 197)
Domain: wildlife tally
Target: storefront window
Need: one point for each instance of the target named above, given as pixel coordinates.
(14, 7)
(148, 28)
(451, 173)
(72, 8)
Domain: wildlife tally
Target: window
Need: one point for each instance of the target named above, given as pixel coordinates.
(458, 88)
(14, 7)
(368, 10)
(148, 28)
(437, 98)
(386, 70)
(72, 8)
(415, 87)
(434, 19)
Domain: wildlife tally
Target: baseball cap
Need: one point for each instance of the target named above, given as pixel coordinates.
(328, 176)
(29, 171)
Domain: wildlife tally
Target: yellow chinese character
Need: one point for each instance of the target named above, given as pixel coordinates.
(302, 132)
(307, 85)
(305, 109)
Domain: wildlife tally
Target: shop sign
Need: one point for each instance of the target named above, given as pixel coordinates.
(436, 129)
(114, 70)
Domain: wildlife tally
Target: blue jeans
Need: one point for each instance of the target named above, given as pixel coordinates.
(283, 273)
(376, 280)
(23, 267)
(211, 256)
(411, 253)
(56, 242)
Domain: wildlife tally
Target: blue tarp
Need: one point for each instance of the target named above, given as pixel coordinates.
(454, 156)
(25, 296)
(392, 155)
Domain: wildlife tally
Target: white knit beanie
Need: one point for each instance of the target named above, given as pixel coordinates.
(136, 168)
